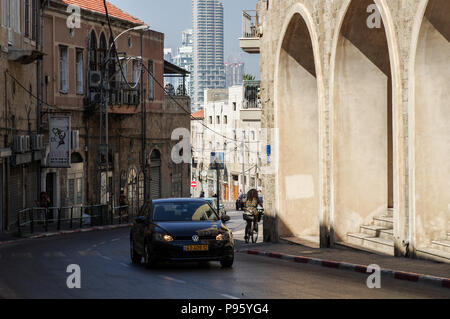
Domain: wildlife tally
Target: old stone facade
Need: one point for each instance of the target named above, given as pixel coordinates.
(19, 64)
(126, 171)
(358, 92)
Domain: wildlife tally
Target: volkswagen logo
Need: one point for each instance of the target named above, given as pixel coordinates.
(195, 238)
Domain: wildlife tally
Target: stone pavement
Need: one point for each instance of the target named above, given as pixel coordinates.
(352, 256)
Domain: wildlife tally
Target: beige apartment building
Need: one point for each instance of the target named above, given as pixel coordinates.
(358, 91)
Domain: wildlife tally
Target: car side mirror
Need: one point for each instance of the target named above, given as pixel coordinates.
(225, 218)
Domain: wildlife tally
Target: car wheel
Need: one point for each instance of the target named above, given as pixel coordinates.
(227, 263)
(149, 258)
(135, 257)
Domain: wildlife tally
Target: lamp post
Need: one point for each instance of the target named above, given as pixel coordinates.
(104, 110)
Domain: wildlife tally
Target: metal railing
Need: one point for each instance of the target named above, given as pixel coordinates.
(250, 24)
(37, 219)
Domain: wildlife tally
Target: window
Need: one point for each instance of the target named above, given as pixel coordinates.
(225, 119)
(234, 106)
(63, 71)
(75, 191)
(80, 71)
(136, 73)
(34, 15)
(11, 14)
(151, 85)
(123, 77)
(217, 119)
(27, 18)
(210, 120)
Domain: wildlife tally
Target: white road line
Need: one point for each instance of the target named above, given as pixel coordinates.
(102, 243)
(116, 239)
(229, 296)
(125, 265)
(106, 257)
(172, 279)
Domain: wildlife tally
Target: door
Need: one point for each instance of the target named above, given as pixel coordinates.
(155, 175)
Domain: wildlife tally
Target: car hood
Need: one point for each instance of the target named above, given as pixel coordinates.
(182, 229)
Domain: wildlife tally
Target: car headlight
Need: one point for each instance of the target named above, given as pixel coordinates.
(161, 237)
(219, 237)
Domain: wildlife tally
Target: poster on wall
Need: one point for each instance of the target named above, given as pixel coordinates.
(59, 132)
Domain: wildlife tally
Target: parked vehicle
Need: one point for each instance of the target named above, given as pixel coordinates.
(181, 230)
(213, 202)
(240, 202)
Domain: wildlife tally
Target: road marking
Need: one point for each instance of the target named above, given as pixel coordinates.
(125, 265)
(102, 243)
(116, 239)
(172, 279)
(229, 296)
(87, 252)
(106, 257)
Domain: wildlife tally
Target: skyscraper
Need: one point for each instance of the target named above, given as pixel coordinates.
(184, 59)
(208, 38)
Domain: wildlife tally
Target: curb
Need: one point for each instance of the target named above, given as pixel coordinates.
(67, 232)
(400, 275)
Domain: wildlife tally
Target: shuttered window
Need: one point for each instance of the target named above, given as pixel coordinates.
(11, 14)
(151, 85)
(63, 70)
(80, 71)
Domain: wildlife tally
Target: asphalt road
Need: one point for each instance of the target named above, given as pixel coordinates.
(37, 269)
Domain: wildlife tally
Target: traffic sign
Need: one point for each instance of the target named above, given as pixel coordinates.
(194, 184)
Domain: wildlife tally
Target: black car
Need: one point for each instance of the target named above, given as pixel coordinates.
(182, 229)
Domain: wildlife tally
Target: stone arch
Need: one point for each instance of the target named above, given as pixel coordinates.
(298, 107)
(364, 67)
(429, 88)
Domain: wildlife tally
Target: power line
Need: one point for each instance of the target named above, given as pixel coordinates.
(190, 114)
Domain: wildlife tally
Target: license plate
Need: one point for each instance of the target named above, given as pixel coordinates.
(196, 248)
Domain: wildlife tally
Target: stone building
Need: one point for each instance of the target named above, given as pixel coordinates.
(229, 117)
(358, 92)
(20, 156)
(74, 57)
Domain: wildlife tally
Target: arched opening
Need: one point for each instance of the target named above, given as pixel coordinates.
(432, 129)
(93, 51)
(75, 180)
(155, 175)
(102, 50)
(133, 191)
(363, 131)
(298, 143)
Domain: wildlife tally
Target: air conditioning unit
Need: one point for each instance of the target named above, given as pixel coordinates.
(37, 142)
(18, 144)
(26, 143)
(95, 98)
(95, 79)
(75, 140)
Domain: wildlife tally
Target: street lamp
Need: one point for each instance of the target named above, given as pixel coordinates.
(104, 108)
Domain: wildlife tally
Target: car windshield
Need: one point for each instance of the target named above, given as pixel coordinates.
(183, 211)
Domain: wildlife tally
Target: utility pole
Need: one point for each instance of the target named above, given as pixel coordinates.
(243, 163)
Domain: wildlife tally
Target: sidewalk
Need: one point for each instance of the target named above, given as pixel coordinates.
(347, 258)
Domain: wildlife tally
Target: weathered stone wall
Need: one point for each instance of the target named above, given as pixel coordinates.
(402, 22)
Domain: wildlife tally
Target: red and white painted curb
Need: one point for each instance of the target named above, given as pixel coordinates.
(401, 275)
(67, 232)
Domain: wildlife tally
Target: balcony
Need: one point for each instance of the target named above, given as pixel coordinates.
(251, 32)
(251, 107)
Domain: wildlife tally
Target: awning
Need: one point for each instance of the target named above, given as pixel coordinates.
(170, 68)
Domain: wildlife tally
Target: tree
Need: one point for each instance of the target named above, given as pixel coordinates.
(249, 77)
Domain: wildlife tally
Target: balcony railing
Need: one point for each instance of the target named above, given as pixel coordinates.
(252, 98)
(251, 32)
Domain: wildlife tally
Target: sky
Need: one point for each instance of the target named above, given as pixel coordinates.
(171, 17)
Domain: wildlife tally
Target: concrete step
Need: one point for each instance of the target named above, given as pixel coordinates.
(390, 212)
(372, 230)
(443, 245)
(384, 221)
(387, 234)
(433, 254)
(365, 241)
